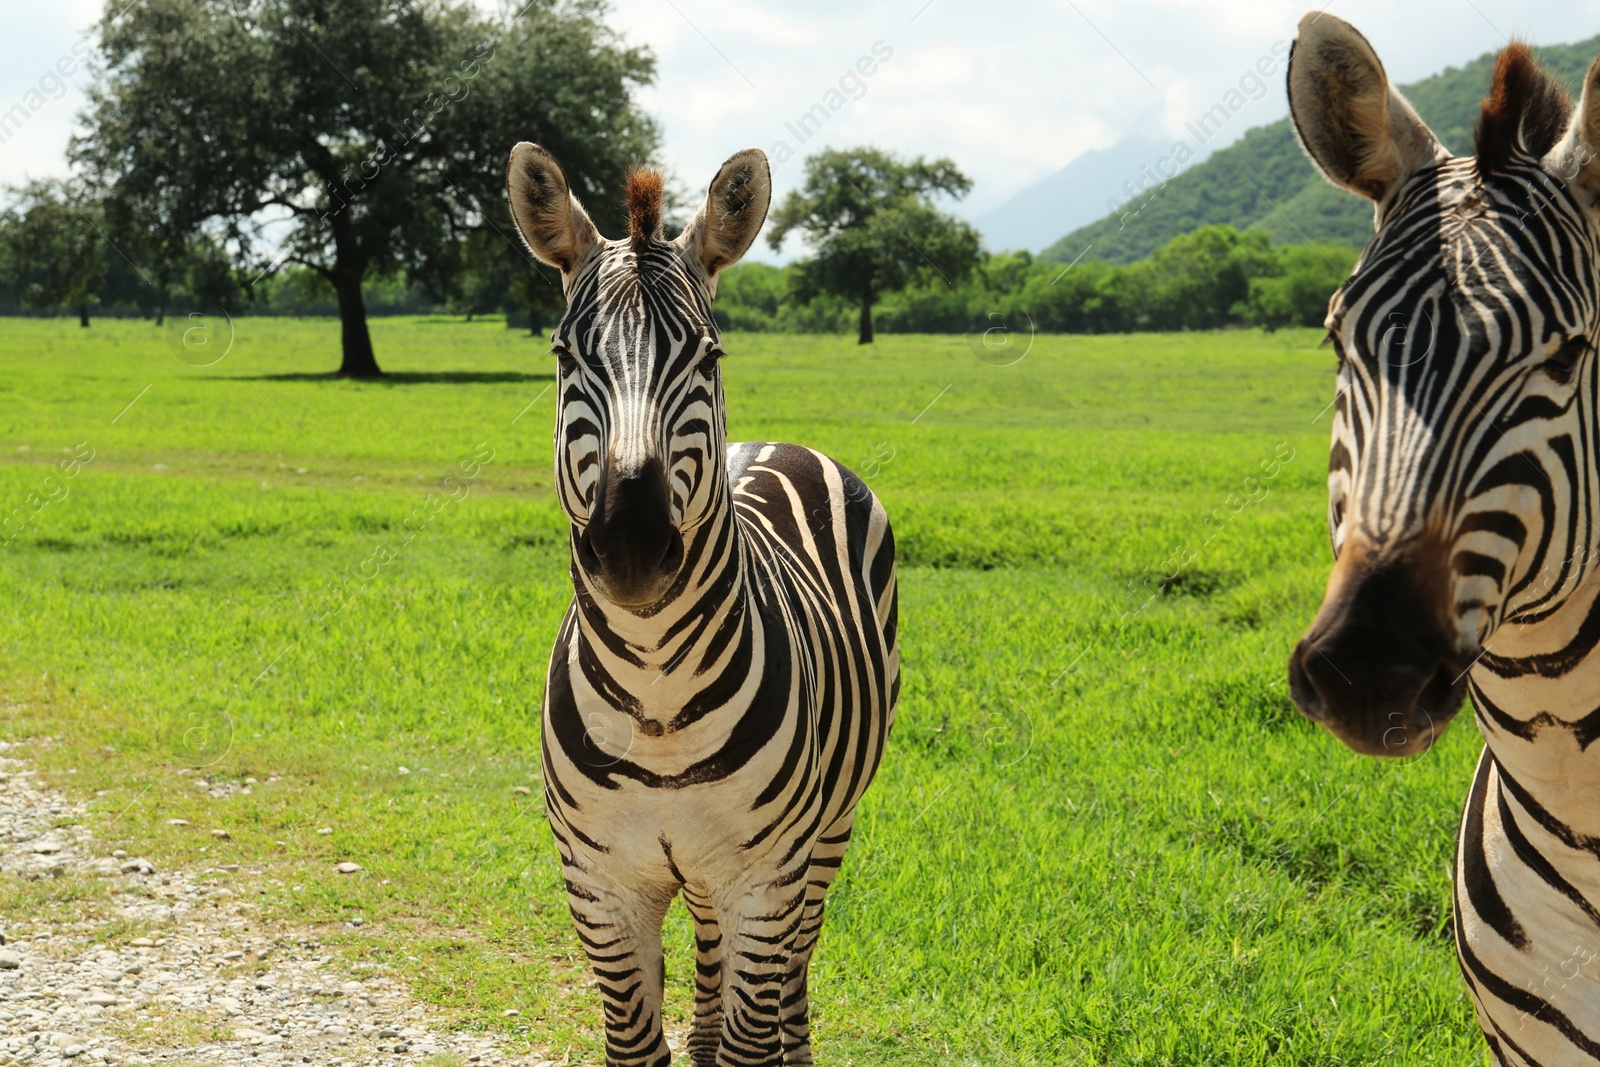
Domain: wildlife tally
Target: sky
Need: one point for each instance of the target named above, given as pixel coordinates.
(1012, 90)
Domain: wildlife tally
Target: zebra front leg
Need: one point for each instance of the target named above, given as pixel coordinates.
(706, 1034)
(795, 1003)
(759, 930)
(826, 857)
(621, 933)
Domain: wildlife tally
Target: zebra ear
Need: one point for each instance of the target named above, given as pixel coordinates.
(1576, 157)
(548, 217)
(1356, 127)
(736, 205)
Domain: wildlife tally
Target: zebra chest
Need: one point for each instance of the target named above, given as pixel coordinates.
(643, 753)
(664, 819)
(1544, 731)
(1527, 909)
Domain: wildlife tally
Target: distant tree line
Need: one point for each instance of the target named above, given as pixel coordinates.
(1215, 277)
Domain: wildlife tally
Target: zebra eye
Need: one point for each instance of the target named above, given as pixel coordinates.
(1565, 359)
(1338, 346)
(709, 361)
(566, 362)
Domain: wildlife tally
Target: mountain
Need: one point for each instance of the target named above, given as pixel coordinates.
(1073, 196)
(1263, 180)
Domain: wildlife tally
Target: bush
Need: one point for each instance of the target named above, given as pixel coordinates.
(1214, 277)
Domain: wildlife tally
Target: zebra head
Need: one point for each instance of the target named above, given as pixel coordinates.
(641, 428)
(1461, 481)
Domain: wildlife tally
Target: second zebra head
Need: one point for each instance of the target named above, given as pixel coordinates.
(641, 434)
(1462, 500)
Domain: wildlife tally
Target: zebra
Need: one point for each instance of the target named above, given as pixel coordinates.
(1464, 499)
(723, 684)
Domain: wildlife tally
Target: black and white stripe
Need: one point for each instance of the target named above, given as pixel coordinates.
(1463, 486)
(1473, 430)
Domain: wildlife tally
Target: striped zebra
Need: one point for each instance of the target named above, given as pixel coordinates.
(1464, 497)
(724, 681)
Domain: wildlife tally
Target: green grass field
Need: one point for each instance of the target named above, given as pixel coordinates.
(1101, 835)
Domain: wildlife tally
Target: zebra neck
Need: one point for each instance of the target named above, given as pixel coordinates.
(653, 664)
(1536, 693)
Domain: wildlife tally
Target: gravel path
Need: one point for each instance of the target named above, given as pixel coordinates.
(222, 987)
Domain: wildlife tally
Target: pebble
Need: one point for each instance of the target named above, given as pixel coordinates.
(348, 867)
(223, 834)
(282, 998)
(324, 830)
(177, 822)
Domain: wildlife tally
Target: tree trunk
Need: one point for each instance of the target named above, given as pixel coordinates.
(83, 315)
(866, 315)
(359, 361)
(533, 322)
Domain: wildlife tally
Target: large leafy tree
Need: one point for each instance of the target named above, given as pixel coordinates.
(873, 224)
(52, 253)
(375, 132)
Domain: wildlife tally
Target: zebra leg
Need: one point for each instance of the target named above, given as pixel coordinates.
(706, 1033)
(759, 929)
(621, 932)
(796, 1003)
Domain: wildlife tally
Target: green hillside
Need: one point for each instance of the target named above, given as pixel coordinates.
(1265, 181)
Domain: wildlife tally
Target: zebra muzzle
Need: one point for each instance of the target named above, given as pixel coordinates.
(630, 549)
(1377, 668)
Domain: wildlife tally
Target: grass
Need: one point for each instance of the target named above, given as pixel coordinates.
(1101, 835)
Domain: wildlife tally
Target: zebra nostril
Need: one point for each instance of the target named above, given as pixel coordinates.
(1301, 688)
(672, 558)
(587, 556)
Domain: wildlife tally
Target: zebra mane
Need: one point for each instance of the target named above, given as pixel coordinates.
(644, 209)
(1526, 110)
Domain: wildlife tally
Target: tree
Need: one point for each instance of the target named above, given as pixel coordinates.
(51, 248)
(350, 121)
(1197, 281)
(1297, 293)
(874, 228)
